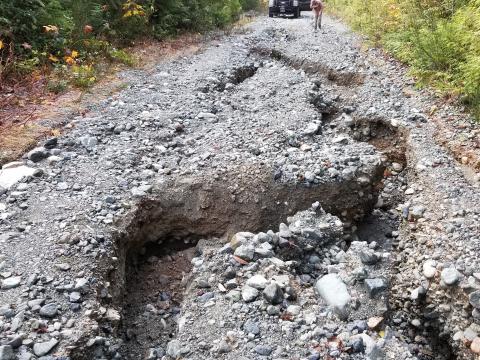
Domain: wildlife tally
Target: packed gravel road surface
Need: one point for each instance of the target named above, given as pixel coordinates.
(279, 194)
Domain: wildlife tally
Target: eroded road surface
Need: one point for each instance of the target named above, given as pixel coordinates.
(277, 195)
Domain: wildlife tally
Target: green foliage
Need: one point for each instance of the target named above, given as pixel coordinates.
(438, 38)
(122, 57)
(19, 18)
(170, 17)
(57, 86)
(75, 36)
(470, 71)
(54, 13)
(24, 67)
(83, 76)
(250, 5)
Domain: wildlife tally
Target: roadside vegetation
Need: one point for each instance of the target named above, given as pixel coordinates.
(439, 39)
(75, 40)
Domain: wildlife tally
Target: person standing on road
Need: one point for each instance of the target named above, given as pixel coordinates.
(317, 8)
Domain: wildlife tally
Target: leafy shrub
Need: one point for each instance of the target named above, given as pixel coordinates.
(57, 86)
(83, 76)
(170, 17)
(75, 34)
(19, 20)
(250, 5)
(122, 57)
(470, 71)
(438, 38)
(26, 66)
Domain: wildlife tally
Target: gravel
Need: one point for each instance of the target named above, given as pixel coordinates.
(6, 352)
(240, 139)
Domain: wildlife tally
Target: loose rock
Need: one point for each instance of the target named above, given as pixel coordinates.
(43, 348)
(334, 292)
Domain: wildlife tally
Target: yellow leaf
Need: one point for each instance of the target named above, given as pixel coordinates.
(69, 60)
(50, 28)
(381, 333)
(74, 54)
(53, 58)
(1, 44)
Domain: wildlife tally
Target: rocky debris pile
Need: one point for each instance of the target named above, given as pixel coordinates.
(57, 205)
(440, 211)
(300, 292)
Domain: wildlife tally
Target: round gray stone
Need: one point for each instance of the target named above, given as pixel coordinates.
(49, 310)
(263, 350)
(450, 276)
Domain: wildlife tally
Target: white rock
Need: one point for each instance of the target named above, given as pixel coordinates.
(258, 282)
(54, 159)
(335, 293)
(113, 315)
(245, 252)
(312, 128)
(10, 176)
(88, 141)
(264, 250)
(205, 115)
(174, 349)
(341, 139)
(282, 280)
(293, 309)
(397, 166)
(310, 318)
(249, 293)
(11, 282)
(429, 269)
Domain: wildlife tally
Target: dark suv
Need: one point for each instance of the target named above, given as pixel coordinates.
(284, 7)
